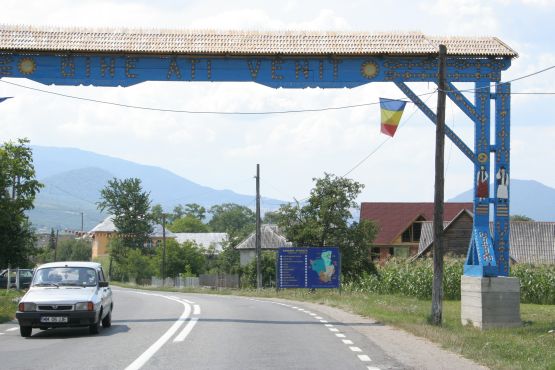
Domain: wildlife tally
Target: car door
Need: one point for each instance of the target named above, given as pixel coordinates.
(106, 292)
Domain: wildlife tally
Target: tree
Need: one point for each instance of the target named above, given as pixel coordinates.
(521, 218)
(188, 224)
(156, 213)
(181, 258)
(129, 204)
(52, 240)
(195, 210)
(74, 250)
(18, 188)
(238, 221)
(326, 220)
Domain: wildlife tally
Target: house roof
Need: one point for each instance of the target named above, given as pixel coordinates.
(107, 226)
(270, 238)
(394, 218)
(529, 241)
(30, 38)
(204, 240)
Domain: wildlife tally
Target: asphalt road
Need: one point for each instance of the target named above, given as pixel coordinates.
(153, 330)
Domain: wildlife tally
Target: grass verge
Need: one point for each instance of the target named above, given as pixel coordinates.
(531, 346)
(8, 304)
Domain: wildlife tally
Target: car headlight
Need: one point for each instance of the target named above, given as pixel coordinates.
(27, 307)
(84, 306)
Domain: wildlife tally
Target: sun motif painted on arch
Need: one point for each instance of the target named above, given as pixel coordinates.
(369, 69)
(27, 66)
(482, 157)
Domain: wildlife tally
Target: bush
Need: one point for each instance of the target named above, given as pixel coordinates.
(267, 267)
(414, 279)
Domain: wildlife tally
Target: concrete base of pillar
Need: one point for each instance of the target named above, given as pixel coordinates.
(490, 302)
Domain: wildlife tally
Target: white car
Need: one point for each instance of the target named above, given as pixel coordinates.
(66, 294)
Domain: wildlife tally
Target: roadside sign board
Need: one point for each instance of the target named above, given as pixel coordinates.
(308, 267)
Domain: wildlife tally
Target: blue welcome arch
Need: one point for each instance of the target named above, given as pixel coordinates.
(299, 60)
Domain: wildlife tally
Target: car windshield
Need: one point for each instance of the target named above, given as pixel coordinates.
(68, 276)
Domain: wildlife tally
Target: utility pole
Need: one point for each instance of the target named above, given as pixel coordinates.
(437, 287)
(163, 248)
(258, 238)
(56, 245)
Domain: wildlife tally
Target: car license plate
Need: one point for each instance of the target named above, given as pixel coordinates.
(54, 319)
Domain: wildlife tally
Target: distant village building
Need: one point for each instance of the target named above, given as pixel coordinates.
(400, 225)
(270, 239)
(104, 231)
(530, 242)
(209, 242)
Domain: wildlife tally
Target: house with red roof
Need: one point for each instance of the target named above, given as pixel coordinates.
(400, 225)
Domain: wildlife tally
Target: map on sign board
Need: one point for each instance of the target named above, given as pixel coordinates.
(308, 267)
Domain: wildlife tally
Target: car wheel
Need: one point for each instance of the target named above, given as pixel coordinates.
(95, 328)
(107, 320)
(25, 331)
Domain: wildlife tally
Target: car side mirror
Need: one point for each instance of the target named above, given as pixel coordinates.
(103, 284)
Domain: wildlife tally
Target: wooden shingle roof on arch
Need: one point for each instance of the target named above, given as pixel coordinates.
(215, 42)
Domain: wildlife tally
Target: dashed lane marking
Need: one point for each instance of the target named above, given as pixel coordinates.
(364, 358)
(333, 329)
(196, 309)
(339, 335)
(355, 349)
(347, 341)
(12, 329)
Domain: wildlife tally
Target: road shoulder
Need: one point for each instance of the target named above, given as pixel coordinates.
(412, 351)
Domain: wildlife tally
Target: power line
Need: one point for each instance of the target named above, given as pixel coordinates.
(197, 112)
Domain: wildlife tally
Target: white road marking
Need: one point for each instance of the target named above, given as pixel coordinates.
(146, 355)
(364, 358)
(355, 349)
(328, 325)
(333, 329)
(347, 341)
(12, 329)
(186, 330)
(188, 301)
(340, 335)
(196, 309)
(312, 314)
(372, 368)
(318, 317)
(324, 321)
(2, 333)
(295, 307)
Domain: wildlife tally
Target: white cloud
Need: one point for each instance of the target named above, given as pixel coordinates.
(221, 151)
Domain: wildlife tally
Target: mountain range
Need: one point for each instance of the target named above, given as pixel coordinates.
(73, 179)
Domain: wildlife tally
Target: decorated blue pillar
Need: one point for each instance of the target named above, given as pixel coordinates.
(501, 220)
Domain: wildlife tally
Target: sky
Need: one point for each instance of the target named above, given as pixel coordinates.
(222, 151)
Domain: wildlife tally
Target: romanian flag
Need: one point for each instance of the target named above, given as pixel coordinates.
(392, 110)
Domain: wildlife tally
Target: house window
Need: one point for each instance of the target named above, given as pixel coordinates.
(148, 244)
(412, 234)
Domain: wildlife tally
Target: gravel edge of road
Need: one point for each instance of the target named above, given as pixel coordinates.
(416, 353)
